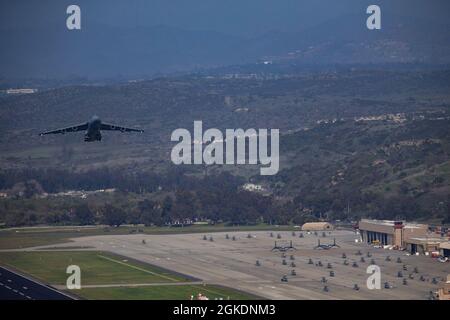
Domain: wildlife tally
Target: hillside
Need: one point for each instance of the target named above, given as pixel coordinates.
(381, 168)
(354, 143)
(101, 51)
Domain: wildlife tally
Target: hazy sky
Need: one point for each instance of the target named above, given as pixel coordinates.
(240, 17)
(36, 42)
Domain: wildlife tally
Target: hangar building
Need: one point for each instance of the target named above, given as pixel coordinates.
(386, 232)
(444, 249)
(317, 226)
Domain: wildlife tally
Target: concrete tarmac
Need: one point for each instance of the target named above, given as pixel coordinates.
(233, 263)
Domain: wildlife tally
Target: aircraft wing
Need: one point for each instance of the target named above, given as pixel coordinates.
(113, 127)
(80, 127)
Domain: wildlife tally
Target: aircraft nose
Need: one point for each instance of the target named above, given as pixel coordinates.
(95, 119)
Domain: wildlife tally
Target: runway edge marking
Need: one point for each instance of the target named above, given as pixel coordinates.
(37, 282)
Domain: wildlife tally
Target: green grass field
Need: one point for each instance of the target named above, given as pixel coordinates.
(96, 267)
(30, 237)
(178, 292)
(102, 268)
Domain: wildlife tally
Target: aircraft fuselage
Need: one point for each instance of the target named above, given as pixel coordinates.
(93, 130)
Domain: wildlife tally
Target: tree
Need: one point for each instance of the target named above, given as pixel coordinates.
(113, 215)
(185, 205)
(167, 206)
(150, 212)
(84, 215)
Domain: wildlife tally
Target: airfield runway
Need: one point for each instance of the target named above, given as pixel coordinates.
(232, 263)
(14, 286)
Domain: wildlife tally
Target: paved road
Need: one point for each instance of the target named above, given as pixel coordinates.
(17, 287)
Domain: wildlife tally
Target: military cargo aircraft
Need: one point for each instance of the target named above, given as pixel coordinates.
(92, 128)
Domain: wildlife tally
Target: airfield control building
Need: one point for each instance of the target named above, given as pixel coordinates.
(396, 233)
